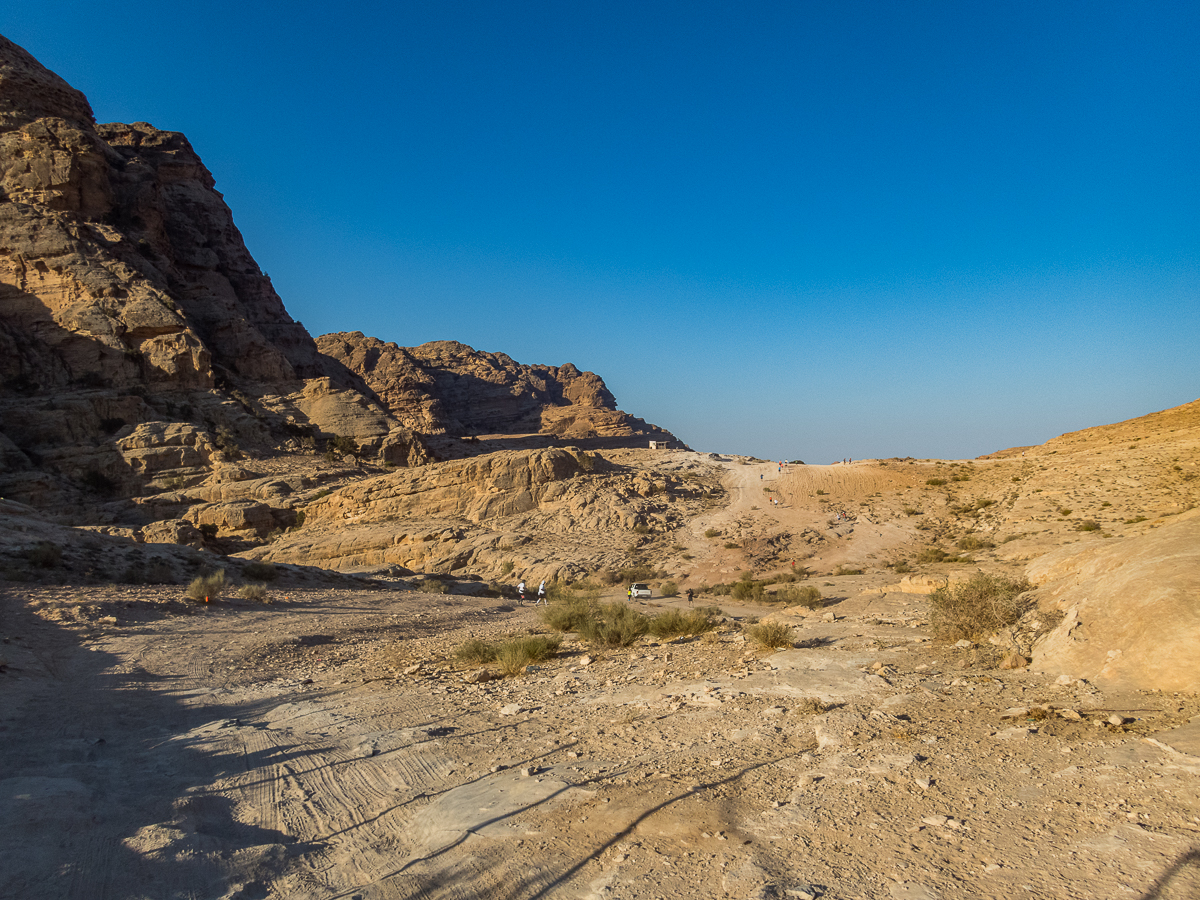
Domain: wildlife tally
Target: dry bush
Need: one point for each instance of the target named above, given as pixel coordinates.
(807, 596)
(668, 589)
(514, 655)
(475, 652)
(254, 592)
(810, 706)
(673, 623)
(567, 610)
(771, 635)
(843, 570)
(977, 608)
(44, 555)
(614, 625)
(207, 587)
(973, 542)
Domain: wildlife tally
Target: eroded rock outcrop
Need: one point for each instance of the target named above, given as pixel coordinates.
(448, 387)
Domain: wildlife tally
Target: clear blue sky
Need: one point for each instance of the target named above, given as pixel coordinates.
(804, 230)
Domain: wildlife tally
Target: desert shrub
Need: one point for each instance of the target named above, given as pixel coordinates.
(712, 533)
(431, 586)
(911, 511)
(607, 577)
(586, 461)
(978, 607)
(771, 635)
(668, 589)
(810, 706)
(1135, 520)
(843, 570)
(641, 528)
(935, 482)
(256, 592)
(673, 623)
(1063, 511)
(973, 542)
(1088, 525)
(747, 591)
(260, 571)
(730, 545)
(640, 572)
(514, 655)
(506, 567)
(807, 596)
(207, 530)
(342, 445)
(475, 652)
(44, 554)
(614, 625)
(567, 610)
(981, 503)
(820, 493)
(931, 555)
(207, 587)
(159, 571)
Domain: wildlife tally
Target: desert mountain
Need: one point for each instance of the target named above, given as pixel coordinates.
(142, 348)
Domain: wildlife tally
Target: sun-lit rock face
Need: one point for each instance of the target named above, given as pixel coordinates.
(447, 387)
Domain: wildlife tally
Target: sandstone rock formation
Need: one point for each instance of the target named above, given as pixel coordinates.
(1131, 609)
(448, 387)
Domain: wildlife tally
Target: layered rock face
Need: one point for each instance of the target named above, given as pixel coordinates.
(447, 387)
(119, 261)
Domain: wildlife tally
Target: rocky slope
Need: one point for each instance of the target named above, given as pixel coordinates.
(143, 351)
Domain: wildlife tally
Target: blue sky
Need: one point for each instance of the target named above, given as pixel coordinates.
(803, 230)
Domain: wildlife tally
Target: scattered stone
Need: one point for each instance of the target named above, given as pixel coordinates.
(964, 644)
(1070, 714)
(1015, 732)
(1117, 720)
(1015, 712)
(923, 783)
(479, 676)
(1014, 660)
(529, 771)
(510, 709)
(413, 670)
(935, 821)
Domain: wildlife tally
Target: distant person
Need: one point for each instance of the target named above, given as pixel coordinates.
(541, 598)
(521, 591)
(691, 596)
(629, 593)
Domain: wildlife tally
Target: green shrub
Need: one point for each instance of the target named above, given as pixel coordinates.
(207, 587)
(843, 570)
(730, 545)
(712, 533)
(673, 623)
(935, 482)
(342, 445)
(668, 589)
(931, 555)
(911, 511)
(1088, 525)
(614, 625)
(506, 567)
(641, 528)
(901, 567)
(771, 635)
(978, 607)
(254, 592)
(260, 571)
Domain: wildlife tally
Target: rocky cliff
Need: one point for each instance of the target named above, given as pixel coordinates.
(142, 349)
(445, 387)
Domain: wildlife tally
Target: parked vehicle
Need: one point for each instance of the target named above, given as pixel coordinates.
(639, 591)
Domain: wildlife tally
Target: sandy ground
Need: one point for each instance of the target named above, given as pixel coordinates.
(327, 746)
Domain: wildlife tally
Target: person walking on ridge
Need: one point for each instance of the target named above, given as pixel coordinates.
(521, 591)
(541, 597)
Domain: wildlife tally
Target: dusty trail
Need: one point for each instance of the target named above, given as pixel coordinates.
(328, 747)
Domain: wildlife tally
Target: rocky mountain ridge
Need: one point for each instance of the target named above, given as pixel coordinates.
(143, 349)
